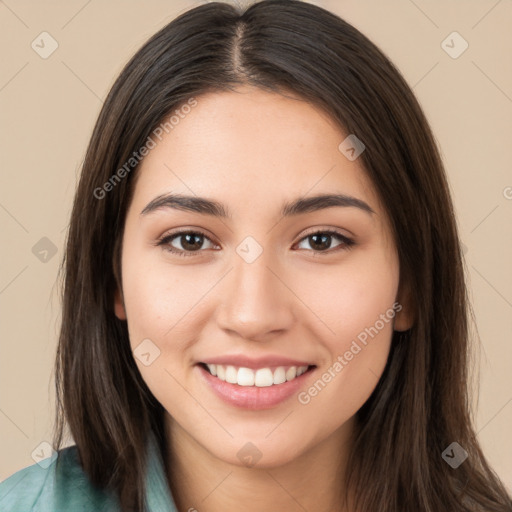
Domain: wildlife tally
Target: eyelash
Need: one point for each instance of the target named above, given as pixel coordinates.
(347, 243)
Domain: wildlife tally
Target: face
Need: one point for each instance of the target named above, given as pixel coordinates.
(258, 326)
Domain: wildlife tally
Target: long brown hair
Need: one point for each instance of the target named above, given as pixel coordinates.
(421, 403)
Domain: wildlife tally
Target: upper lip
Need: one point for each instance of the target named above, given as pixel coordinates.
(255, 362)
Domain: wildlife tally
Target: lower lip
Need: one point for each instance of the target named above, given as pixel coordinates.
(253, 397)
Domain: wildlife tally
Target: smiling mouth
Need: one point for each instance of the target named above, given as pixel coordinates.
(261, 377)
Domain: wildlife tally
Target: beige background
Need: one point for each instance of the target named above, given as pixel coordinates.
(48, 109)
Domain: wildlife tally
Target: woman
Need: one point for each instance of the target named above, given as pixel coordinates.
(264, 300)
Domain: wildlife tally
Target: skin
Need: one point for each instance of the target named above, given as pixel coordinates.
(253, 150)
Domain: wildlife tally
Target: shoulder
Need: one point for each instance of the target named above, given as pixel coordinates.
(54, 485)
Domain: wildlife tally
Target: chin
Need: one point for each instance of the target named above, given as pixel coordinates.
(260, 453)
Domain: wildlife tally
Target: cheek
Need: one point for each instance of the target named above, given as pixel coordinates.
(352, 297)
(165, 308)
(160, 300)
(343, 386)
(161, 317)
(358, 306)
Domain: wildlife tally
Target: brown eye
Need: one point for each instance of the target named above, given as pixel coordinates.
(321, 241)
(184, 243)
(191, 241)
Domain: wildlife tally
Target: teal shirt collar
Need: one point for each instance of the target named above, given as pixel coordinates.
(45, 488)
(158, 495)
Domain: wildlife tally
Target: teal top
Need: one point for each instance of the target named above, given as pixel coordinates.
(43, 488)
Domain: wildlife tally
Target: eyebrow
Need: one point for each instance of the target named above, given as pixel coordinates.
(299, 206)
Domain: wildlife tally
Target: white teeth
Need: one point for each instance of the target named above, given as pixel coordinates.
(279, 375)
(263, 377)
(245, 377)
(291, 373)
(221, 372)
(231, 375)
(301, 370)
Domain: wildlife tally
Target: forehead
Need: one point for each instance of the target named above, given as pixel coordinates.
(249, 146)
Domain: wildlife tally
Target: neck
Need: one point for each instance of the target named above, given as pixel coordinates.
(313, 480)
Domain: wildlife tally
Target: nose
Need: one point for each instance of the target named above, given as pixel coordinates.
(256, 304)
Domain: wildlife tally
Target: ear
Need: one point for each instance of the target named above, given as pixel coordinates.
(404, 318)
(119, 308)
